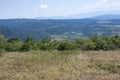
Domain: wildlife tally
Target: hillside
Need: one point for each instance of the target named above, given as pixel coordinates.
(57, 65)
(58, 29)
(107, 17)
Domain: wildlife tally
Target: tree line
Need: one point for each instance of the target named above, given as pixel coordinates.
(92, 43)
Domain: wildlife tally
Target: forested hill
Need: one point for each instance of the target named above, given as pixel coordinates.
(58, 29)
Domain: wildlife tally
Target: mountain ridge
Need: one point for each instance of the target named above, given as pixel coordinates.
(82, 16)
(58, 28)
(107, 17)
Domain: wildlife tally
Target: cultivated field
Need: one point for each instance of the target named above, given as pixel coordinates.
(57, 65)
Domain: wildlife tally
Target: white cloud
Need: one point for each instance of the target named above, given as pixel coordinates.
(43, 6)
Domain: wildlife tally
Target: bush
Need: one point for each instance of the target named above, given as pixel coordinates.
(2, 43)
(66, 46)
(13, 44)
(92, 43)
(29, 44)
(44, 46)
(88, 45)
(79, 43)
(106, 43)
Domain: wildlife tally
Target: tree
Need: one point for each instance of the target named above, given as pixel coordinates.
(12, 39)
(116, 36)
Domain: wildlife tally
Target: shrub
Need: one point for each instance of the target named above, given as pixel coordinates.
(66, 46)
(106, 43)
(44, 46)
(29, 44)
(88, 45)
(2, 43)
(13, 44)
(79, 43)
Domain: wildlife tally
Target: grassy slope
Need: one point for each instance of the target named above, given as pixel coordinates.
(55, 65)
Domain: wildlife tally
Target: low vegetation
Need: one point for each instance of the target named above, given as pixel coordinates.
(94, 58)
(91, 43)
(60, 65)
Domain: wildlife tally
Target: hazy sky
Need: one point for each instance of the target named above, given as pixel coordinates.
(40, 8)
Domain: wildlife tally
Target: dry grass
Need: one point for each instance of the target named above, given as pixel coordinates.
(56, 65)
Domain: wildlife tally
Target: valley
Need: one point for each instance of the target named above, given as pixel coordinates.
(58, 29)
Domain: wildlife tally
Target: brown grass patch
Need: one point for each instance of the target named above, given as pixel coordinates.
(56, 65)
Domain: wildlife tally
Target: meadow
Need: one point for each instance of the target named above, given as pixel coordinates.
(60, 65)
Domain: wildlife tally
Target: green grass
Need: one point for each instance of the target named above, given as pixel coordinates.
(60, 65)
(66, 37)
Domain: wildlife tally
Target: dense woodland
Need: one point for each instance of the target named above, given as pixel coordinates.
(92, 43)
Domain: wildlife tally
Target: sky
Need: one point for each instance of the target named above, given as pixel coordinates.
(47, 8)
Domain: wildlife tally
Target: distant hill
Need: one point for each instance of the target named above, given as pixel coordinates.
(93, 15)
(58, 29)
(52, 17)
(107, 17)
(72, 16)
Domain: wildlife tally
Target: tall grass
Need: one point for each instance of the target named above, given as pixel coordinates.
(60, 65)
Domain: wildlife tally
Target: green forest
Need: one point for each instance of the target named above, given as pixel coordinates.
(92, 43)
(68, 29)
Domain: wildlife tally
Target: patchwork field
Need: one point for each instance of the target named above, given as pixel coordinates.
(60, 65)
